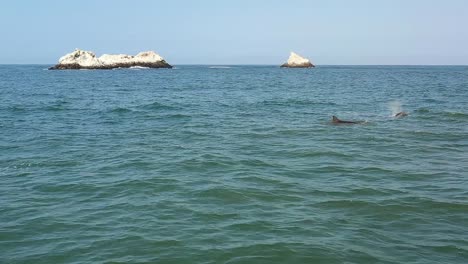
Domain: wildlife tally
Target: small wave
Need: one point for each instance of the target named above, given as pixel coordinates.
(57, 106)
(224, 194)
(456, 114)
(120, 110)
(348, 204)
(156, 106)
(54, 108)
(433, 135)
(177, 116)
(432, 100)
(138, 67)
(207, 162)
(311, 154)
(423, 110)
(375, 170)
(17, 108)
(368, 191)
(258, 163)
(292, 102)
(220, 67)
(254, 226)
(447, 114)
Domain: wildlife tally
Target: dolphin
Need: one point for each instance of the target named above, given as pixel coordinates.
(335, 120)
(401, 114)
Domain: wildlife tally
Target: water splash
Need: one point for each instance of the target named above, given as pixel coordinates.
(395, 107)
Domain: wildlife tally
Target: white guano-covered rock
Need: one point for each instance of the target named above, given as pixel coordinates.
(147, 56)
(83, 58)
(296, 61)
(80, 59)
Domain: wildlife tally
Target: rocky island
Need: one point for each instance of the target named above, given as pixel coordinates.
(296, 61)
(80, 59)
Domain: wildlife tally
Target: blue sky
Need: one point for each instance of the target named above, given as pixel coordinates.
(239, 31)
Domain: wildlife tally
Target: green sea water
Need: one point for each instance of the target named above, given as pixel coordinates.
(236, 164)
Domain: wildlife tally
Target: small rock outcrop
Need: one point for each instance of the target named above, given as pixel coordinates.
(80, 59)
(296, 61)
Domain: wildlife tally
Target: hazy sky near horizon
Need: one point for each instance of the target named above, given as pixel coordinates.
(239, 31)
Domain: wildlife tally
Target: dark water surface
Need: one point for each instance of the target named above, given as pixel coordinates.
(233, 165)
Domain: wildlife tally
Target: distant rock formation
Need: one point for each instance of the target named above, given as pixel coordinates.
(296, 61)
(80, 59)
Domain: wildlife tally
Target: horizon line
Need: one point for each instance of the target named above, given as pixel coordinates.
(260, 64)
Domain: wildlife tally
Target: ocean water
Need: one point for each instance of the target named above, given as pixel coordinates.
(239, 164)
